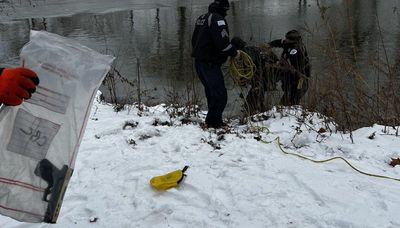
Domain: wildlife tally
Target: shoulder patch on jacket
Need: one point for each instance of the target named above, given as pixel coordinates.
(221, 22)
(293, 52)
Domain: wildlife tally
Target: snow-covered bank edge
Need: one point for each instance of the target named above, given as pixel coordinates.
(234, 179)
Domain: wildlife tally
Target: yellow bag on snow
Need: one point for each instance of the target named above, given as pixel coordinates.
(168, 180)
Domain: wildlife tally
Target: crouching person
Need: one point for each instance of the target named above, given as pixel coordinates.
(265, 76)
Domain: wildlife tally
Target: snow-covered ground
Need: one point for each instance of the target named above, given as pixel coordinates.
(234, 179)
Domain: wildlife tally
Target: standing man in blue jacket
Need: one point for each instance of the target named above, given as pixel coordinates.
(211, 48)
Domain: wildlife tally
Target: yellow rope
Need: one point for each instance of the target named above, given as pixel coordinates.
(277, 139)
(242, 69)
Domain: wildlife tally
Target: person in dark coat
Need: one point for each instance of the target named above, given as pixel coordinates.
(16, 85)
(295, 67)
(265, 76)
(211, 48)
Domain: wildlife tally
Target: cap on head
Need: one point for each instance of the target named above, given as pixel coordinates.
(224, 4)
(238, 43)
(293, 35)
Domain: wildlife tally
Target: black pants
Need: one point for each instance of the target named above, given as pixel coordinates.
(291, 93)
(255, 97)
(264, 79)
(213, 81)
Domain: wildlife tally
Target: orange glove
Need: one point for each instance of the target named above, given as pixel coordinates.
(17, 84)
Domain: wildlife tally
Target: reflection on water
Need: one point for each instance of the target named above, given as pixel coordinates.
(156, 34)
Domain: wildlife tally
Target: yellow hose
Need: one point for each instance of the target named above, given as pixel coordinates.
(242, 69)
(277, 139)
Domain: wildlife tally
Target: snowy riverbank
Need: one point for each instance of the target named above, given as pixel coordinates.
(234, 180)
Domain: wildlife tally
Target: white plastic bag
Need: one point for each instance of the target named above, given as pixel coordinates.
(39, 139)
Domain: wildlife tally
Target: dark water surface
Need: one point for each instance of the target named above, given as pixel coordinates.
(156, 34)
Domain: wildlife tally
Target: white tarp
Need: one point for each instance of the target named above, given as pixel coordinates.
(39, 139)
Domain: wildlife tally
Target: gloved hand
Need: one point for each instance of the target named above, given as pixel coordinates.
(237, 54)
(17, 84)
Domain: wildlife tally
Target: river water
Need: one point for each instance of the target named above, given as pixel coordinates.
(155, 35)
